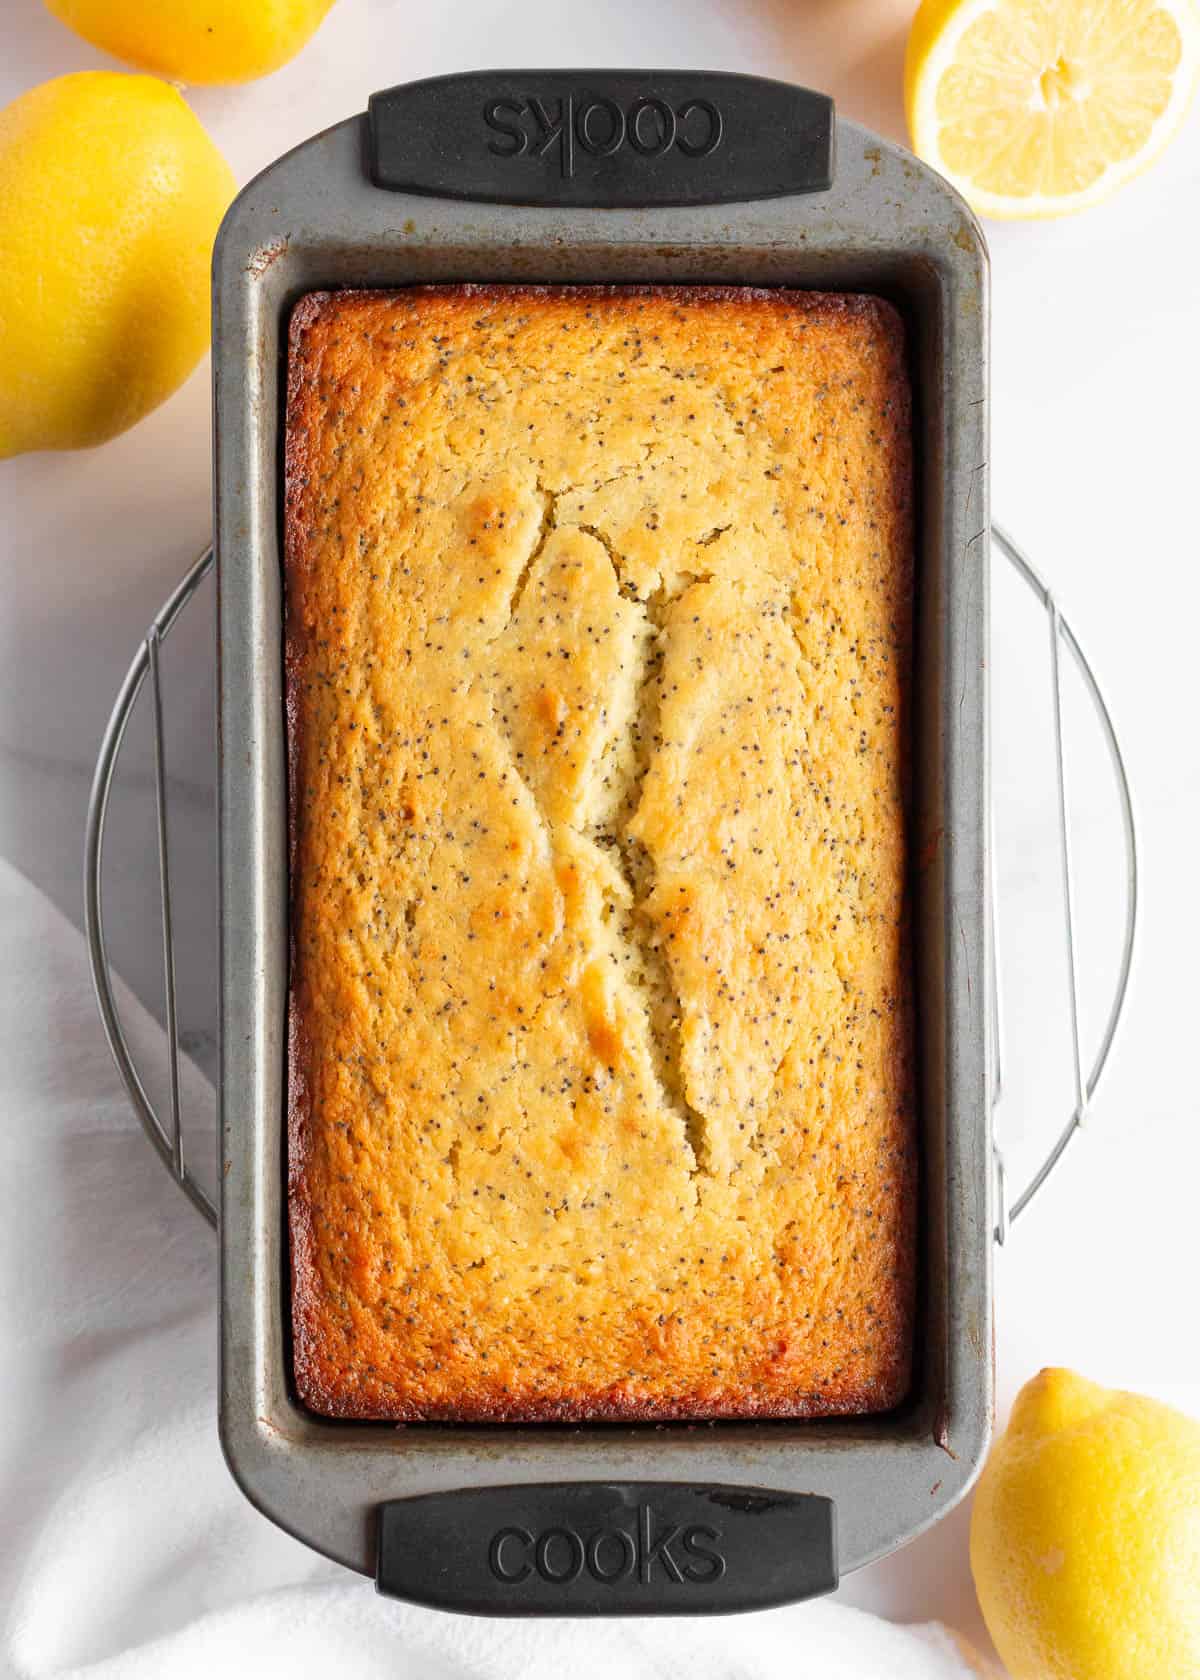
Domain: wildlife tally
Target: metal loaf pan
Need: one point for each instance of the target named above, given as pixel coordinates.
(608, 176)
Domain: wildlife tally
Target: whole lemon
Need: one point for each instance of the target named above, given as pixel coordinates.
(110, 196)
(196, 40)
(1085, 1536)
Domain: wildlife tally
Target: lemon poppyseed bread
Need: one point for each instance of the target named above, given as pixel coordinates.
(597, 647)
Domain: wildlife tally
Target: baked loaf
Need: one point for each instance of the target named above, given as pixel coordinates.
(597, 649)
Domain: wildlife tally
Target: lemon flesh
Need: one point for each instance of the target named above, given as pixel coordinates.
(200, 41)
(1085, 1536)
(110, 196)
(1043, 107)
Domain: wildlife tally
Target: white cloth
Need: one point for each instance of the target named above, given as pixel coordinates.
(125, 1548)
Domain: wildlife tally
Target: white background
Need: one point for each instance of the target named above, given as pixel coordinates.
(1095, 374)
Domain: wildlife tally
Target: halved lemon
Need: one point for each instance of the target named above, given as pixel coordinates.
(1043, 107)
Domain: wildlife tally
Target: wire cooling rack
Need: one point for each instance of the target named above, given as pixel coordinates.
(165, 1130)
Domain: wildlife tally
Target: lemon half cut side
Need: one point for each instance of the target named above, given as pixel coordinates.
(1044, 107)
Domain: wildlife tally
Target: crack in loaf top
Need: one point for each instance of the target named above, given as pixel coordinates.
(598, 607)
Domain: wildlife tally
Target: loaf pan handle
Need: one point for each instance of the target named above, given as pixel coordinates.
(606, 139)
(607, 1549)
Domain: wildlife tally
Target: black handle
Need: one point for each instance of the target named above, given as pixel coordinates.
(607, 1549)
(610, 139)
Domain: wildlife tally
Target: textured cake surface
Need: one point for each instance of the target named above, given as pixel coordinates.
(597, 651)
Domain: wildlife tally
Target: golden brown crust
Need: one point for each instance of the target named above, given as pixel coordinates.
(578, 1138)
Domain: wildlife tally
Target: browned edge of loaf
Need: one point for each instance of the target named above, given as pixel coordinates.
(317, 1386)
